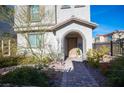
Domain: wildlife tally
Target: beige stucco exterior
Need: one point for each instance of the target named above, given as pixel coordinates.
(64, 22)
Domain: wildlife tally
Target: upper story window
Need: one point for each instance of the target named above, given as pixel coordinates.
(34, 13)
(65, 6)
(78, 6)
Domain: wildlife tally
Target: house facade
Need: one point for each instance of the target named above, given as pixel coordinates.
(114, 41)
(113, 36)
(60, 29)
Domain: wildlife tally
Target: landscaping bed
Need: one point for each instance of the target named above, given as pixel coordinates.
(30, 75)
(25, 76)
(109, 74)
(115, 73)
(98, 76)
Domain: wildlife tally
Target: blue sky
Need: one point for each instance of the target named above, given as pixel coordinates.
(108, 18)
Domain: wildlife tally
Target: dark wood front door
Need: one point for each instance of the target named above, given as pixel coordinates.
(72, 43)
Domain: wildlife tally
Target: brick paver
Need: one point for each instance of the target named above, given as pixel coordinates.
(76, 75)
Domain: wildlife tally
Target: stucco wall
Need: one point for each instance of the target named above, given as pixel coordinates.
(50, 43)
(21, 40)
(22, 16)
(55, 40)
(81, 12)
(85, 32)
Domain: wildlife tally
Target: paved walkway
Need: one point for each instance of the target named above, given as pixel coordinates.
(76, 75)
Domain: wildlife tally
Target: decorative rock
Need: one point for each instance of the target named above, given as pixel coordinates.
(107, 58)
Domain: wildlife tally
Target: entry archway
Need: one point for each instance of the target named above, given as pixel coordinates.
(73, 44)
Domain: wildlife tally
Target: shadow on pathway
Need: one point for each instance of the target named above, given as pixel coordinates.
(76, 75)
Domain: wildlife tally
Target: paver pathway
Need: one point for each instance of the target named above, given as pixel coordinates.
(76, 75)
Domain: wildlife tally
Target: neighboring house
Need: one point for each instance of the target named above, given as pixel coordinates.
(115, 35)
(66, 27)
(113, 40)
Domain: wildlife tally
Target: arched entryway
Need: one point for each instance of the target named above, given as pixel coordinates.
(73, 44)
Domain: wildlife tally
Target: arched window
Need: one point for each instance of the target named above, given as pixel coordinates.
(34, 13)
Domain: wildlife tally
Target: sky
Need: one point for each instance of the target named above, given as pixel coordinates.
(109, 18)
(4, 27)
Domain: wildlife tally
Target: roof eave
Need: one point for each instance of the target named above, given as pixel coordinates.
(74, 20)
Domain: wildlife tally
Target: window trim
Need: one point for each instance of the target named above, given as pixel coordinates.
(65, 6)
(29, 43)
(30, 13)
(79, 6)
(36, 34)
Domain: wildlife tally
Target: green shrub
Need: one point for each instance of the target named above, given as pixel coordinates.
(16, 60)
(93, 58)
(94, 55)
(78, 51)
(27, 60)
(103, 50)
(46, 60)
(25, 76)
(115, 73)
(8, 61)
(116, 78)
(23, 60)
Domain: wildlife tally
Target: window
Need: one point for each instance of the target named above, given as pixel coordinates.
(65, 6)
(109, 38)
(97, 39)
(34, 13)
(78, 6)
(35, 40)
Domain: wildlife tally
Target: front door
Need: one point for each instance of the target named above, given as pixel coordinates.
(72, 43)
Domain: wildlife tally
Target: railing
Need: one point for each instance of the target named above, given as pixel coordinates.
(7, 48)
(116, 48)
